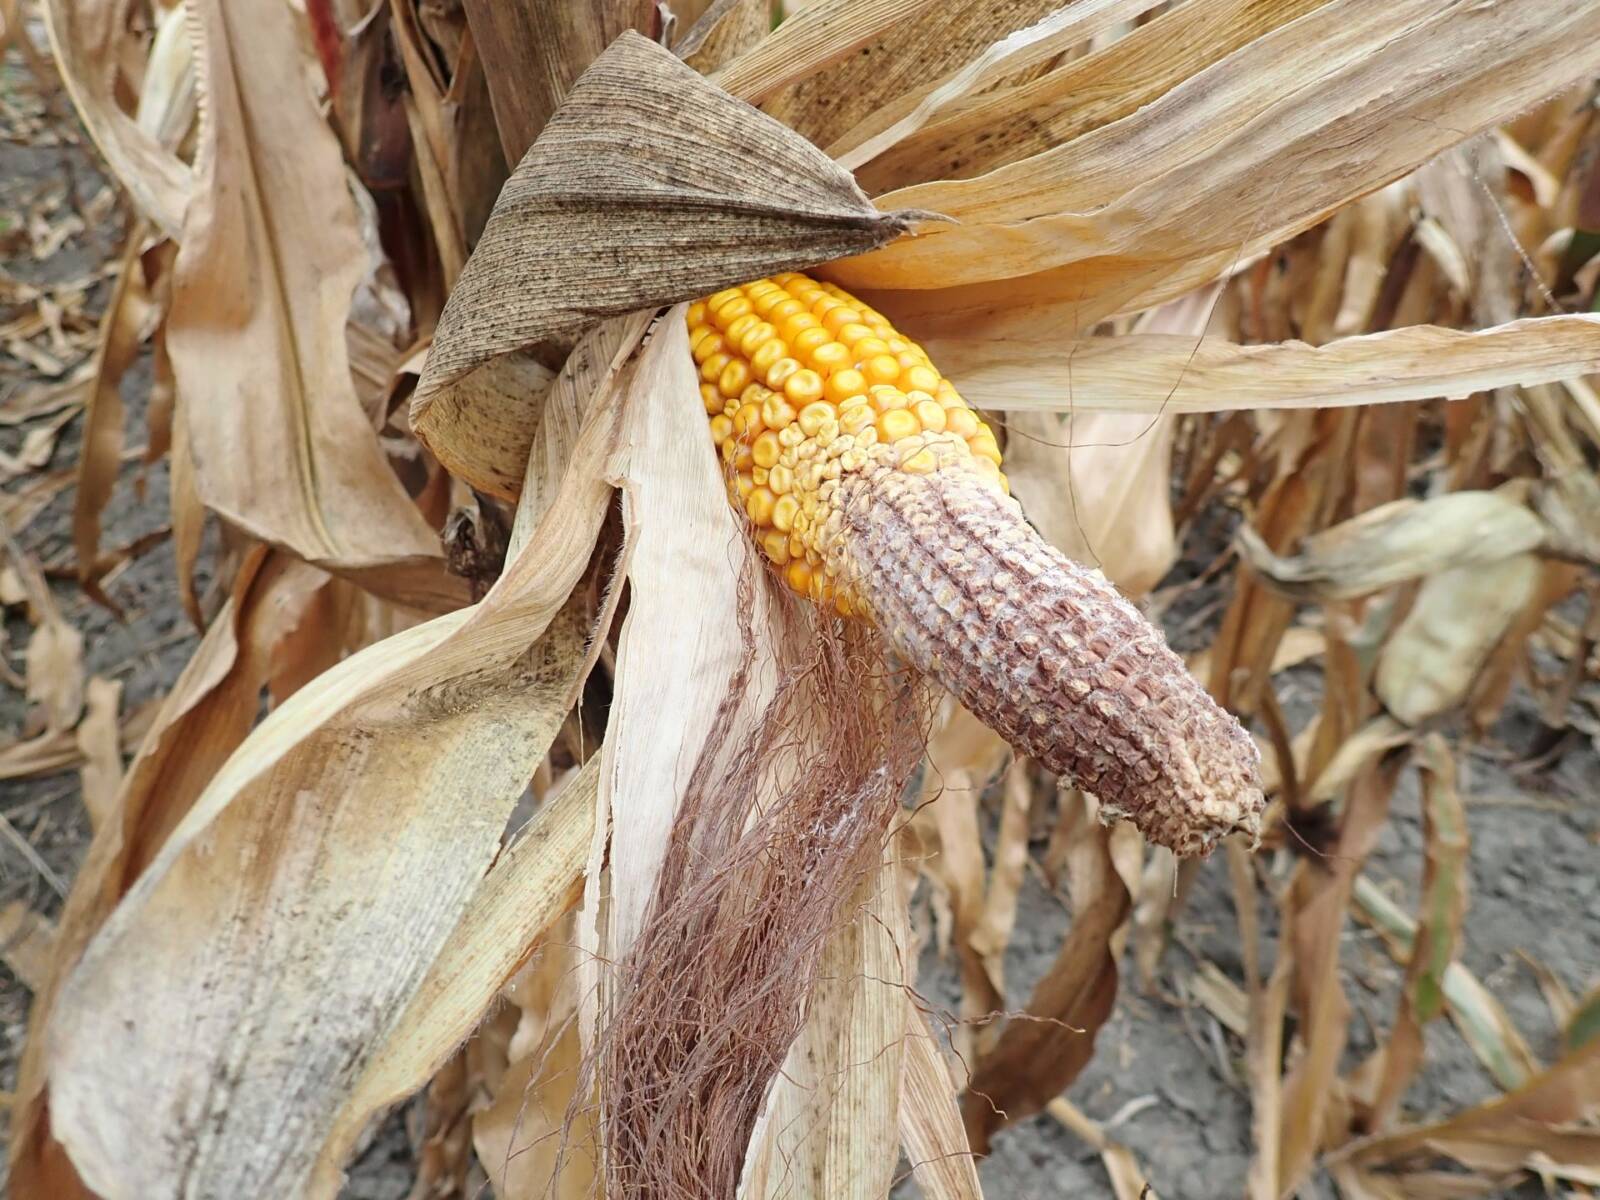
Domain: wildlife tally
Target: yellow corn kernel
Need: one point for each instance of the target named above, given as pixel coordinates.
(780, 479)
(984, 446)
(794, 326)
(920, 379)
(776, 544)
(768, 354)
(758, 504)
(734, 379)
(842, 385)
(779, 373)
(776, 411)
(726, 314)
(712, 399)
(813, 415)
(740, 326)
(830, 357)
(962, 421)
(929, 412)
(799, 576)
(745, 485)
(784, 512)
(920, 463)
(785, 309)
(854, 419)
(712, 367)
(881, 369)
(721, 430)
(756, 336)
(709, 343)
(697, 313)
(838, 316)
(897, 423)
(807, 340)
(803, 387)
(853, 335)
(871, 347)
(765, 449)
(886, 398)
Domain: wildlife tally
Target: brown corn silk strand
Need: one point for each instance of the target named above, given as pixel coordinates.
(710, 997)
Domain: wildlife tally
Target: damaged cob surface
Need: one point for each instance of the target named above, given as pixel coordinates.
(872, 487)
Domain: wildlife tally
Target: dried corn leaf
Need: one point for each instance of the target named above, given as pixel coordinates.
(1432, 660)
(87, 40)
(1003, 124)
(533, 881)
(1166, 374)
(201, 721)
(1438, 929)
(533, 54)
(1237, 158)
(100, 740)
(1038, 1055)
(934, 45)
(270, 256)
(1127, 1179)
(127, 322)
(1474, 1011)
(403, 763)
(892, 72)
(54, 657)
(1400, 541)
(931, 1133)
(27, 943)
(811, 39)
(725, 30)
(648, 186)
(1538, 1117)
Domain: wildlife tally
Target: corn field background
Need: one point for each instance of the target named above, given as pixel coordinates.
(414, 782)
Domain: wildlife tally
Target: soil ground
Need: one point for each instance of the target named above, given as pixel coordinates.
(1166, 1066)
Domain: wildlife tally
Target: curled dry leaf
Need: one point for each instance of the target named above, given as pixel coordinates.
(1400, 541)
(1149, 372)
(648, 186)
(86, 40)
(270, 256)
(100, 741)
(402, 763)
(1432, 660)
(1230, 161)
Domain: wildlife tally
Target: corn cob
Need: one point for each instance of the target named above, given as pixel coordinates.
(871, 486)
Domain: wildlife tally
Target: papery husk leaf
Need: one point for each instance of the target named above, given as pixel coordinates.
(1431, 661)
(402, 764)
(681, 535)
(899, 62)
(1240, 157)
(891, 114)
(1011, 122)
(201, 721)
(1399, 541)
(931, 1133)
(535, 879)
(85, 40)
(649, 186)
(833, 1114)
(270, 257)
(99, 738)
(1156, 373)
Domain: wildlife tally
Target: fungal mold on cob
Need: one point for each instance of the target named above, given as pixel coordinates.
(873, 488)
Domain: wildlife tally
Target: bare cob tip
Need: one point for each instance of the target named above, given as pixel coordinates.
(1049, 654)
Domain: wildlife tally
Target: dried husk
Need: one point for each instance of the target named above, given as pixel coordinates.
(402, 763)
(1230, 161)
(648, 186)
